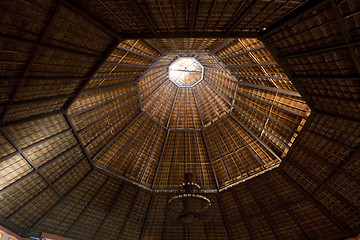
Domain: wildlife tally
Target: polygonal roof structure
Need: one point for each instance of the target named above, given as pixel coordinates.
(95, 138)
(234, 117)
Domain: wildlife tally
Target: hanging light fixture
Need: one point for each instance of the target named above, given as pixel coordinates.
(189, 205)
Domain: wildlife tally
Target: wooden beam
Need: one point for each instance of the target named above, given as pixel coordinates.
(198, 109)
(280, 124)
(115, 137)
(38, 143)
(330, 139)
(353, 157)
(250, 65)
(160, 159)
(262, 127)
(341, 225)
(108, 87)
(16, 229)
(256, 137)
(161, 102)
(345, 32)
(121, 150)
(101, 188)
(119, 236)
(202, 101)
(92, 72)
(231, 78)
(161, 77)
(241, 17)
(194, 14)
(5, 124)
(28, 160)
(33, 54)
(24, 178)
(280, 199)
(19, 40)
(288, 71)
(135, 53)
(261, 210)
(339, 169)
(202, 47)
(164, 74)
(250, 150)
(221, 46)
(221, 96)
(288, 110)
(201, 89)
(68, 121)
(242, 53)
(195, 34)
(294, 16)
(149, 155)
(144, 225)
(233, 150)
(172, 107)
(167, 104)
(126, 65)
(57, 204)
(270, 89)
(157, 88)
(240, 75)
(225, 221)
(140, 12)
(90, 125)
(172, 45)
(197, 155)
(94, 20)
(84, 110)
(222, 156)
(36, 100)
(173, 154)
(243, 214)
(109, 210)
(39, 194)
(211, 162)
(43, 78)
(143, 141)
(324, 49)
(154, 46)
(163, 235)
(324, 184)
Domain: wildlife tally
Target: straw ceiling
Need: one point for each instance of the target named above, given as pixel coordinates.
(95, 138)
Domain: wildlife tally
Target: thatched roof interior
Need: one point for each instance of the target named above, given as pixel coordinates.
(95, 138)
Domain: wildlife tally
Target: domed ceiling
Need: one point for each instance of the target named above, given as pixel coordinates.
(221, 109)
(94, 139)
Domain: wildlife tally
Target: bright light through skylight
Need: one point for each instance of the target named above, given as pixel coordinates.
(186, 71)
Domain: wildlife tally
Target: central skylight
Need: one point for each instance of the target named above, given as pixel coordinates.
(186, 72)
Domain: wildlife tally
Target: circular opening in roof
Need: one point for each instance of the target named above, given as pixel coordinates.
(186, 72)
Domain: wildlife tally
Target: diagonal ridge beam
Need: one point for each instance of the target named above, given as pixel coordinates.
(271, 89)
(256, 137)
(241, 17)
(27, 159)
(294, 16)
(242, 53)
(92, 72)
(101, 188)
(116, 136)
(57, 204)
